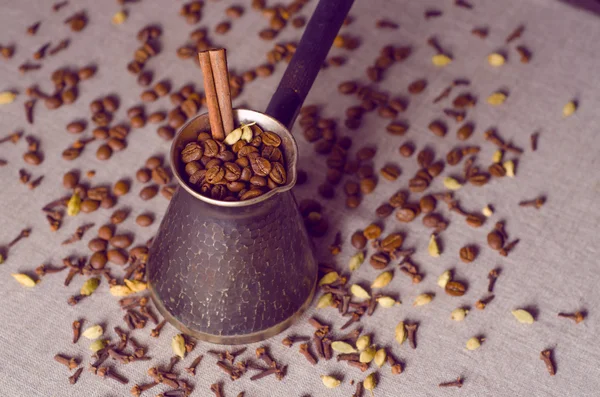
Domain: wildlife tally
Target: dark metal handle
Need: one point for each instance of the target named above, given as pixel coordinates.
(307, 60)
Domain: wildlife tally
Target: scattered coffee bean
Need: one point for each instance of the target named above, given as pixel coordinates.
(407, 149)
(148, 192)
(438, 128)
(144, 220)
(468, 253)
(417, 86)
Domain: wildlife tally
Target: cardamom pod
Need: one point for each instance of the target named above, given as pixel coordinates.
(119, 17)
(370, 382)
(98, 344)
(89, 286)
(7, 97)
(487, 211)
(474, 343)
(234, 136)
(459, 314)
(120, 290)
(400, 333)
(178, 345)
(509, 167)
(342, 347)
(422, 299)
(387, 302)
(24, 280)
(329, 278)
(93, 332)
(444, 278)
(363, 342)
(497, 98)
(441, 60)
(380, 357)
(569, 108)
(359, 292)
(451, 183)
(324, 301)
(523, 316)
(74, 205)
(247, 134)
(135, 285)
(497, 157)
(382, 280)
(367, 355)
(433, 247)
(330, 382)
(356, 260)
(496, 59)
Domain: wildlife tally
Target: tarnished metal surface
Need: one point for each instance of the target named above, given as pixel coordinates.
(231, 274)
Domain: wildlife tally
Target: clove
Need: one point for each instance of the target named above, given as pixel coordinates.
(328, 351)
(455, 383)
(105, 372)
(265, 373)
(357, 364)
(28, 106)
(78, 235)
(22, 234)
(57, 6)
(546, 357)
(412, 330)
(355, 318)
(537, 203)
(432, 42)
(463, 4)
(348, 357)
(155, 333)
(76, 330)
(534, 141)
(137, 390)
(508, 247)
(318, 341)
(577, 316)
(41, 52)
(42, 270)
(69, 362)
(359, 390)
(262, 354)
(290, 340)
(192, 368)
(73, 378)
(482, 303)
(396, 366)
(515, 34)
(217, 388)
(308, 355)
(492, 276)
(63, 44)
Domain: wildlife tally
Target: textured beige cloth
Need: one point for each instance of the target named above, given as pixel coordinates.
(554, 268)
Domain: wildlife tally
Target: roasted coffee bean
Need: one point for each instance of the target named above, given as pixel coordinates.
(161, 176)
(218, 192)
(53, 102)
(89, 205)
(145, 78)
(70, 179)
(455, 288)
(351, 188)
(390, 172)
(69, 95)
(191, 152)
(474, 220)
(246, 174)
(98, 260)
(278, 174)
(435, 169)
(148, 192)
(397, 128)
(104, 152)
(138, 121)
(398, 105)
(96, 106)
(119, 132)
(408, 213)
(334, 176)
(86, 72)
(214, 174)
(427, 204)
(108, 202)
(197, 178)
(407, 149)
(463, 101)
(479, 179)
(144, 220)
(365, 154)
(465, 132)
(438, 128)
(250, 194)
(326, 191)
(387, 112)
(372, 232)
(379, 261)
(495, 240)
(121, 241)
(454, 156)
(417, 184)
(347, 88)
(497, 170)
(272, 154)
(143, 175)
(232, 171)
(135, 111)
(116, 144)
(468, 253)
(398, 200)
(433, 220)
(211, 148)
(121, 188)
(264, 71)
(423, 174)
(162, 88)
(153, 162)
(384, 210)
(392, 242)
(367, 185)
(118, 216)
(353, 201)
(156, 117)
(110, 103)
(148, 96)
(425, 158)
(261, 166)
(32, 158)
(258, 181)
(165, 132)
(365, 171)
(358, 240)
(236, 187)
(417, 86)
(270, 139)
(117, 257)
(105, 232)
(97, 245)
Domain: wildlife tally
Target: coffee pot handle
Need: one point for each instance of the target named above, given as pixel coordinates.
(310, 54)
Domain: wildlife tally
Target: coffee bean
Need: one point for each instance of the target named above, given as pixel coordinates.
(69, 95)
(495, 240)
(98, 260)
(222, 27)
(365, 171)
(258, 181)
(479, 179)
(423, 174)
(353, 201)
(97, 245)
(116, 144)
(105, 232)
(135, 111)
(384, 210)
(86, 72)
(465, 132)
(365, 154)
(211, 149)
(143, 175)
(392, 242)
(326, 191)
(390, 172)
(118, 216)
(102, 119)
(97, 193)
(117, 257)
(89, 205)
(76, 127)
(455, 288)
(497, 170)
(435, 169)
(153, 162)
(433, 220)
(160, 175)
(270, 139)
(165, 132)
(232, 171)
(334, 176)
(358, 240)
(387, 112)
(53, 102)
(260, 166)
(347, 88)
(425, 157)
(119, 132)
(468, 253)
(121, 188)
(70, 179)
(372, 232)
(417, 86)
(438, 128)
(407, 149)
(108, 202)
(264, 71)
(474, 220)
(234, 12)
(463, 101)
(215, 174)
(162, 88)
(418, 185)
(397, 200)
(379, 261)
(121, 241)
(32, 158)
(145, 78)
(367, 185)
(250, 194)
(278, 174)
(427, 204)
(454, 156)
(408, 213)
(156, 117)
(110, 103)
(148, 96)
(148, 192)
(351, 188)
(137, 121)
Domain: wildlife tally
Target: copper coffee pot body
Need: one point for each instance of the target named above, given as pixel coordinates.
(240, 272)
(232, 272)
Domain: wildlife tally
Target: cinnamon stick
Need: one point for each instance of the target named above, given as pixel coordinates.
(218, 61)
(210, 91)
